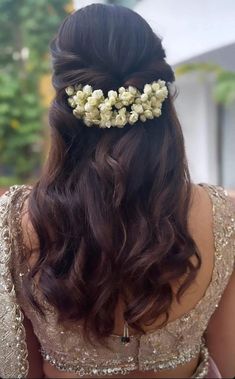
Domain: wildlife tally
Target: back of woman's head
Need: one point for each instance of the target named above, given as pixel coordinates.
(110, 209)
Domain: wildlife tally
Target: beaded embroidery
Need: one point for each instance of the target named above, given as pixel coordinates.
(175, 344)
(13, 360)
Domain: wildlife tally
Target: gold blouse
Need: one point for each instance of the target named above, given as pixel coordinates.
(166, 348)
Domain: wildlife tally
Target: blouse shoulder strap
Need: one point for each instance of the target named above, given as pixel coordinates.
(223, 219)
(14, 354)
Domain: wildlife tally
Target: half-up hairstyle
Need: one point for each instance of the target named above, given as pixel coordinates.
(111, 206)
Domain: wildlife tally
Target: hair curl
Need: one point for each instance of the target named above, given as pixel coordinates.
(110, 208)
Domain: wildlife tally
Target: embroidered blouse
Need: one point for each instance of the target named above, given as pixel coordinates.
(165, 348)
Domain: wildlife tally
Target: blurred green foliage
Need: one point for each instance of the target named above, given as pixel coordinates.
(26, 28)
(224, 88)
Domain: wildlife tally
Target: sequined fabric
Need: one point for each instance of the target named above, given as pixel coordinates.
(13, 353)
(166, 348)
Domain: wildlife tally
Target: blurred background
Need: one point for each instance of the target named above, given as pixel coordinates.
(199, 39)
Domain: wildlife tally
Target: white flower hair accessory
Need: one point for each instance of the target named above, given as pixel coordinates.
(125, 106)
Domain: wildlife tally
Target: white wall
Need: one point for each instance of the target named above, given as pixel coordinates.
(190, 27)
(197, 113)
(83, 3)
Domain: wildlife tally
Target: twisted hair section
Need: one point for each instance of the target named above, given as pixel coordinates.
(110, 208)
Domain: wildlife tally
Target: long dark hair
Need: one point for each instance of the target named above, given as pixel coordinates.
(111, 206)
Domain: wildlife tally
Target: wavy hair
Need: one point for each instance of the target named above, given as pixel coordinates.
(110, 208)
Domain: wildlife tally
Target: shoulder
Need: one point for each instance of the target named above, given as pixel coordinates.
(14, 190)
(200, 217)
(5, 200)
(216, 200)
(223, 209)
(11, 199)
(12, 206)
(212, 220)
(218, 195)
(222, 220)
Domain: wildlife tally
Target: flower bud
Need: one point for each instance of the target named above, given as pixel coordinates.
(161, 83)
(133, 117)
(142, 118)
(137, 108)
(87, 90)
(126, 97)
(132, 90)
(161, 93)
(118, 105)
(112, 94)
(147, 105)
(70, 91)
(112, 100)
(121, 120)
(88, 107)
(97, 94)
(79, 96)
(148, 89)
(72, 102)
(87, 122)
(148, 114)
(155, 86)
(144, 97)
(157, 112)
(80, 109)
(121, 90)
(104, 107)
(92, 101)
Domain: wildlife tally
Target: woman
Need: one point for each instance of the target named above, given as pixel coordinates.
(114, 263)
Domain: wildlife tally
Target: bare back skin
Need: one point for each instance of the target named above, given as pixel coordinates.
(200, 220)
